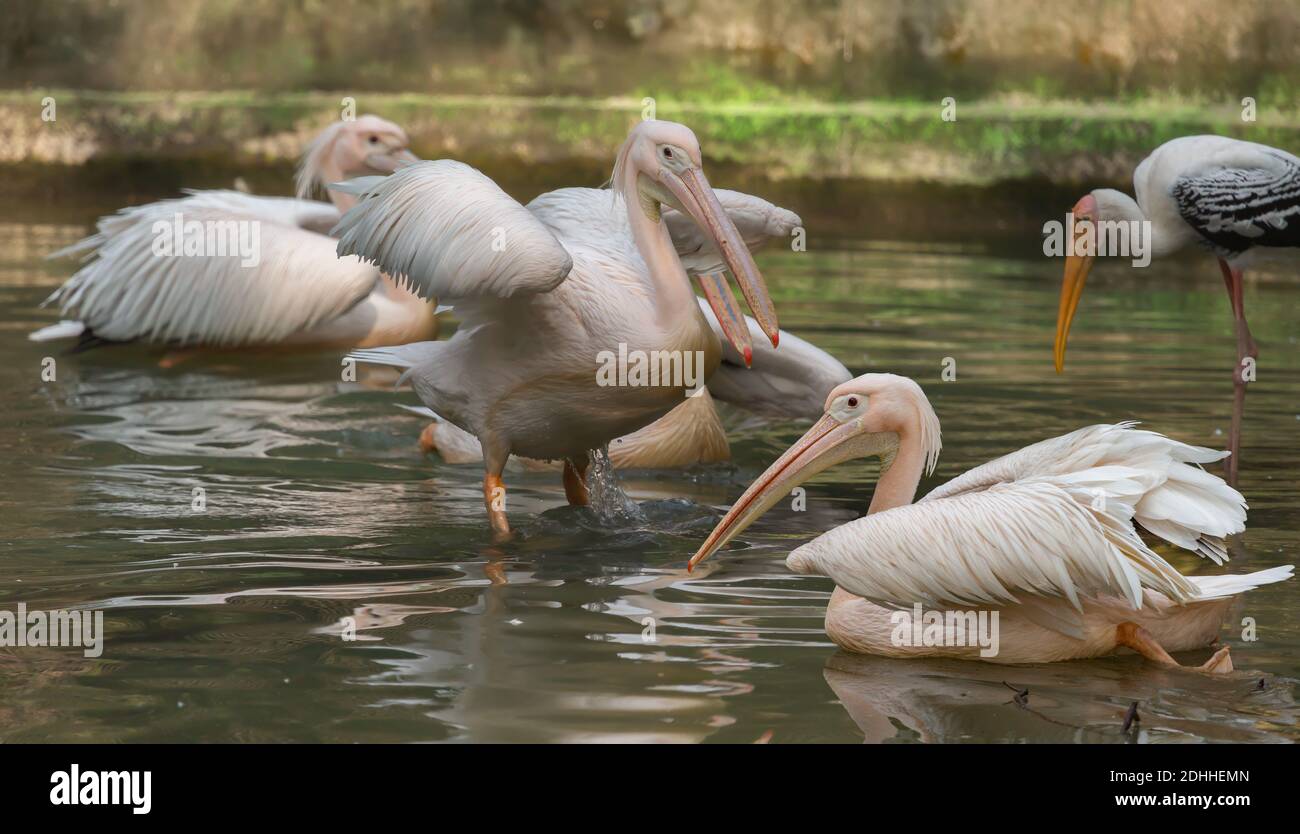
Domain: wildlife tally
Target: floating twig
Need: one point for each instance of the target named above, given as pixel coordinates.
(1131, 718)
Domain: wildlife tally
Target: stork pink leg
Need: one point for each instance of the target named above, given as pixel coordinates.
(1232, 280)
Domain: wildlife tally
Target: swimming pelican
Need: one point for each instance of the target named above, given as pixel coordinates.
(1235, 199)
(543, 314)
(1046, 537)
(227, 269)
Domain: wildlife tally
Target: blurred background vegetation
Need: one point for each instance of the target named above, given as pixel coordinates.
(701, 50)
(827, 91)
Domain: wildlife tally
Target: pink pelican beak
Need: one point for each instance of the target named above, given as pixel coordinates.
(823, 446)
(389, 161)
(718, 293)
(695, 196)
(1076, 275)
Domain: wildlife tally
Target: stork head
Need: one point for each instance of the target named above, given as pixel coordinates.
(1099, 206)
(661, 164)
(365, 146)
(865, 417)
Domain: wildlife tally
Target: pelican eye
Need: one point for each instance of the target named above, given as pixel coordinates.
(848, 407)
(668, 153)
(374, 140)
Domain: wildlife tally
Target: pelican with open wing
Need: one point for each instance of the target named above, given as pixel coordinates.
(542, 313)
(791, 382)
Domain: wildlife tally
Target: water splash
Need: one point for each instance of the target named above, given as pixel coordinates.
(608, 500)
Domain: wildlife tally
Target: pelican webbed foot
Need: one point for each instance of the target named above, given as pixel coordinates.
(1133, 636)
(428, 439)
(1219, 664)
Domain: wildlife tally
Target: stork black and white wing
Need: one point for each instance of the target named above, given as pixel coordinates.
(1252, 200)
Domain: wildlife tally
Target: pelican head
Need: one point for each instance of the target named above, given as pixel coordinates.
(864, 417)
(366, 146)
(669, 170)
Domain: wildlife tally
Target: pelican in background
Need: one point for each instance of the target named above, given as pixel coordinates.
(294, 291)
(539, 310)
(1235, 199)
(1047, 537)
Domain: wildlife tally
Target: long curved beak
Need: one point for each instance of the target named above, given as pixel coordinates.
(1076, 275)
(697, 199)
(718, 293)
(389, 161)
(819, 449)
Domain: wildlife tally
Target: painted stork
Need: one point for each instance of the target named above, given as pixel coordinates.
(1047, 537)
(1238, 200)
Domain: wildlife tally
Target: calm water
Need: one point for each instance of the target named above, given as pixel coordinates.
(225, 624)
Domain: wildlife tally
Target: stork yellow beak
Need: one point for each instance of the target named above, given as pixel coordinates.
(1076, 275)
(1083, 217)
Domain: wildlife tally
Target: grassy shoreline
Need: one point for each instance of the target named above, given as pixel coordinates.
(1015, 138)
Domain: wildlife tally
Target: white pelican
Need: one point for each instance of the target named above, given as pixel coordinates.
(1046, 537)
(294, 291)
(788, 383)
(540, 310)
(1235, 199)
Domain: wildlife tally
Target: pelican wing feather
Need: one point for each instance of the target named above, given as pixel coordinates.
(596, 216)
(446, 230)
(1185, 505)
(257, 276)
(757, 220)
(1040, 538)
